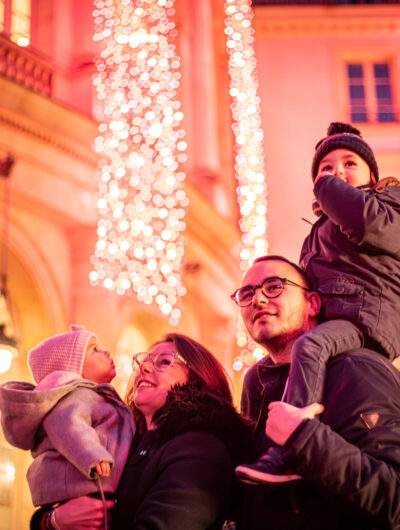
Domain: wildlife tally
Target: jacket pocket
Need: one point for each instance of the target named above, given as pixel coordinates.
(342, 298)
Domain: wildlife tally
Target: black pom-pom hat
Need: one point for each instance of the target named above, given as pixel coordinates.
(344, 136)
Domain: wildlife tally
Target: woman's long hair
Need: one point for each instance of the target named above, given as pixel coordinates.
(204, 370)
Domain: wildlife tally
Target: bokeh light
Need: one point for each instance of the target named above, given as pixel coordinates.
(249, 154)
(140, 199)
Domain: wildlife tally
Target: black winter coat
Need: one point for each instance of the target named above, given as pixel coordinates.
(180, 476)
(352, 257)
(350, 460)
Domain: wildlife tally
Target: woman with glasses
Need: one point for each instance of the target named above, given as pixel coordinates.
(180, 472)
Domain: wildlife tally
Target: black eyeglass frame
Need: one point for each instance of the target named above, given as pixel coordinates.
(284, 281)
(151, 357)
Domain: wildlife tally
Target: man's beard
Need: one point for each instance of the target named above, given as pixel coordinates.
(280, 342)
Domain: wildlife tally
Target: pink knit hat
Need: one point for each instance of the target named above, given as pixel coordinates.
(61, 352)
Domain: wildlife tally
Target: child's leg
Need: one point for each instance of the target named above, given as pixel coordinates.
(311, 352)
(306, 383)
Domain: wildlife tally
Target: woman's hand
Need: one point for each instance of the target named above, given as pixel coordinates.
(82, 513)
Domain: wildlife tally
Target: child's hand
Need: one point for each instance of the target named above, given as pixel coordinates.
(321, 175)
(103, 469)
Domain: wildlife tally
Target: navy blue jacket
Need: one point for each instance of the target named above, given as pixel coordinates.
(350, 460)
(352, 257)
(180, 476)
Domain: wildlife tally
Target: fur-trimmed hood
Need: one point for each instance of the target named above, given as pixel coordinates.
(189, 408)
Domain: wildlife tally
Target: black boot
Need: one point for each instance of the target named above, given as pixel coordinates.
(268, 469)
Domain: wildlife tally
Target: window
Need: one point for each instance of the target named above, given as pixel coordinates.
(383, 90)
(370, 92)
(15, 20)
(2, 15)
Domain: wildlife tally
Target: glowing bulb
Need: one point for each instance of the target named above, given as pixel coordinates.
(237, 364)
(166, 308)
(10, 471)
(125, 283)
(165, 268)
(93, 276)
(5, 360)
(156, 130)
(23, 41)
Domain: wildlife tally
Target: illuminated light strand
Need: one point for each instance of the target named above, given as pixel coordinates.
(249, 155)
(140, 199)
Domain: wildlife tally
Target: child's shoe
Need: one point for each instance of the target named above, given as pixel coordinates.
(268, 469)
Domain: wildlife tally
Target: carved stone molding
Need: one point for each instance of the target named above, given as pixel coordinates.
(329, 21)
(49, 136)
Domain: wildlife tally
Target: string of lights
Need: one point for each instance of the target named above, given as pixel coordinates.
(249, 155)
(140, 199)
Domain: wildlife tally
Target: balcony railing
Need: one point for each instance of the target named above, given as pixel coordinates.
(25, 66)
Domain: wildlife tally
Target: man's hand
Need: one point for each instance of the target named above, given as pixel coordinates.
(283, 419)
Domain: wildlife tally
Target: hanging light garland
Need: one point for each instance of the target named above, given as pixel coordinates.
(249, 156)
(141, 200)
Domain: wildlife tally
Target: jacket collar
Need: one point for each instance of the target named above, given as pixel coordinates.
(267, 368)
(189, 408)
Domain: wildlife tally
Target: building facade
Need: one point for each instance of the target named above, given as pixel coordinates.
(316, 64)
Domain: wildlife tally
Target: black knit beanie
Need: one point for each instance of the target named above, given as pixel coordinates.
(344, 136)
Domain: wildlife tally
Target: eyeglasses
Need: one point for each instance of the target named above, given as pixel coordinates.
(161, 361)
(270, 287)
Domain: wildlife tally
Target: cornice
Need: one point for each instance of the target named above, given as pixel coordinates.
(48, 136)
(317, 21)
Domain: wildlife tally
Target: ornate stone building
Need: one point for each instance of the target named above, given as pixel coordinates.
(316, 64)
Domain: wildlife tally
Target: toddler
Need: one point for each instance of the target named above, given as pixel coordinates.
(352, 259)
(73, 421)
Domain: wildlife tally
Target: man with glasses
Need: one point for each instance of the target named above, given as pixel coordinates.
(350, 460)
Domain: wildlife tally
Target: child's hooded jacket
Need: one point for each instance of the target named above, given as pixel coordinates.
(69, 425)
